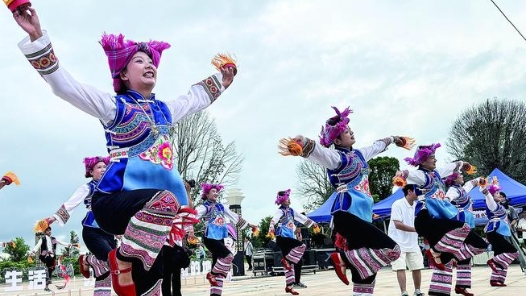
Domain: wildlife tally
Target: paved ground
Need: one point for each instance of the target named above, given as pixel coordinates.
(321, 283)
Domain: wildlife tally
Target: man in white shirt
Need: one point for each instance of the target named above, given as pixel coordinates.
(249, 249)
(402, 231)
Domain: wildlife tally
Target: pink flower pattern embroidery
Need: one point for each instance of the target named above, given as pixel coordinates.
(160, 153)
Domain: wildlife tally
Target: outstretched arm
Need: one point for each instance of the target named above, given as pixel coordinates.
(63, 214)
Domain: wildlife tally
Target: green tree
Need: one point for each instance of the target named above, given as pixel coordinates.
(492, 135)
(314, 186)
(262, 239)
(17, 252)
(71, 254)
(383, 168)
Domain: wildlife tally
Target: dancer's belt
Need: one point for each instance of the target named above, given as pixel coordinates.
(117, 154)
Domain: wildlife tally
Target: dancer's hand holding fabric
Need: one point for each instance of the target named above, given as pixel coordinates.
(469, 168)
(225, 64)
(399, 179)
(28, 20)
(483, 182)
(10, 178)
(270, 233)
(291, 146)
(404, 142)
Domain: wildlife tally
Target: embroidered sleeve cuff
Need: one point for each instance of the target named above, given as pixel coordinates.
(242, 223)
(212, 86)
(308, 147)
(62, 215)
(40, 54)
(308, 223)
(387, 142)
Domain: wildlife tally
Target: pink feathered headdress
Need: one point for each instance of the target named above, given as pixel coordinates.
(120, 52)
(422, 153)
(90, 162)
(494, 187)
(282, 196)
(206, 187)
(334, 126)
(450, 180)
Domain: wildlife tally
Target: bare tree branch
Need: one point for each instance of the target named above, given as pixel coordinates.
(314, 185)
(200, 153)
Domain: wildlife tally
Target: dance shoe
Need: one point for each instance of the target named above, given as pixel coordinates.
(463, 291)
(291, 291)
(497, 284)
(339, 267)
(493, 265)
(285, 264)
(121, 290)
(83, 266)
(211, 279)
(435, 260)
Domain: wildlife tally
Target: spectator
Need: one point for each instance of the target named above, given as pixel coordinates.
(402, 231)
(249, 250)
(200, 255)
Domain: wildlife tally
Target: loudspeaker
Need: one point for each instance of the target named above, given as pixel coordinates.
(309, 257)
(277, 259)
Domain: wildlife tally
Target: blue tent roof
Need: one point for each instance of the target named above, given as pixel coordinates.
(323, 213)
(514, 190)
(383, 207)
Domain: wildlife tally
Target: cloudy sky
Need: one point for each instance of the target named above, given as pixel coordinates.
(404, 67)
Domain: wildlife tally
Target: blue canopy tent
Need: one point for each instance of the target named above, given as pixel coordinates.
(515, 191)
(383, 207)
(323, 213)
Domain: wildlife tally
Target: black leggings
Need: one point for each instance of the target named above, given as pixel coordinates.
(113, 213)
(99, 243)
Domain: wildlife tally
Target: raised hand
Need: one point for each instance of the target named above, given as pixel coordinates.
(27, 19)
(228, 75)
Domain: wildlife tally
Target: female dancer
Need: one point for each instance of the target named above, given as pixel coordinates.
(141, 193)
(458, 194)
(98, 242)
(291, 248)
(496, 230)
(214, 215)
(448, 238)
(362, 246)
